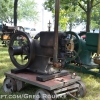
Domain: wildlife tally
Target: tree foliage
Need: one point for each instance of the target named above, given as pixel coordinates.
(6, 12)
(26, 10)
(63, 19)
(74, 17)
(95, 22)
(85, 5)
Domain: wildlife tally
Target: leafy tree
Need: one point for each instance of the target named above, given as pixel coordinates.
(63, 19)
(26, 9)
(86, 5)
(6, 7)
(67, 17)
(95, 22)
(74, 18)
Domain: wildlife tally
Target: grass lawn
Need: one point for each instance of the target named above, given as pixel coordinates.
(92, 83)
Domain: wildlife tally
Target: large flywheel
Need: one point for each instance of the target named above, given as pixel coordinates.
(74, 46)
(21, 50)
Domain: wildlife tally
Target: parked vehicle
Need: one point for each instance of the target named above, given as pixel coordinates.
(31, 31)
(27, 29)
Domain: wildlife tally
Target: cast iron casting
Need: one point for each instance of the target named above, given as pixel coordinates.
(37, 55)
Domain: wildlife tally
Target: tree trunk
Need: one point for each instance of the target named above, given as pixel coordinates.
(88, 14)
(15, 12)
(70, 26)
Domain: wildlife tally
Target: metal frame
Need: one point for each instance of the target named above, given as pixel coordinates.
(60, 87)
(83, 69)
(49, 85)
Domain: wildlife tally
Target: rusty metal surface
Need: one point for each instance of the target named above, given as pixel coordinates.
(49, 85)
(57, 65)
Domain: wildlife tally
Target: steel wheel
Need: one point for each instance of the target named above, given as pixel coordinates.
(9, 85)
(82, 89)
(42, 95)
(21, 50)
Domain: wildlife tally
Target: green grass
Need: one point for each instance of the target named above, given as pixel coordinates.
(92, 83)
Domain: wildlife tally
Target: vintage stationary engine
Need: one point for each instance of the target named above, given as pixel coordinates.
(73, 51)
(33, 59)
(40, 62)
(37, 54)
(85, 61)
(7, 32)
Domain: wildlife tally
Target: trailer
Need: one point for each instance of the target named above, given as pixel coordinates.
(58, 87)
